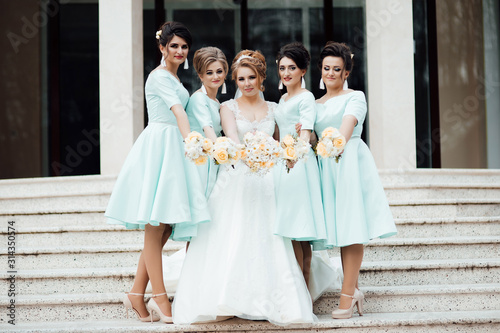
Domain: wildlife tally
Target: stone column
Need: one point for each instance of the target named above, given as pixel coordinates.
(121, 80)
(391, 92)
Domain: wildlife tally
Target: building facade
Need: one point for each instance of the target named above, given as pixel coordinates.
(74, 72)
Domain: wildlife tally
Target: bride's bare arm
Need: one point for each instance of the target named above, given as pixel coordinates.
(228, 123)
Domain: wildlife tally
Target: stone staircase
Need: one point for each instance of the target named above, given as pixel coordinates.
(441, 273)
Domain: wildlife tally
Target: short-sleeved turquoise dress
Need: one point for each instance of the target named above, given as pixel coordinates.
(157, 184)
(299, 207)
(203, 111)
(354, 201)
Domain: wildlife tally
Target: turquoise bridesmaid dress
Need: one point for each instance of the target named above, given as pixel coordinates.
(354, 201)
(299, 207)
(203, 111)
(157, 184)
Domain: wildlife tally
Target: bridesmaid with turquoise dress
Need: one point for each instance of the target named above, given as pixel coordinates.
(203, 113)
(158, 188)
(355, 205)
(299, 211)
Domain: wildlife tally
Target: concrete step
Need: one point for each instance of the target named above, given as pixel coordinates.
(84, 256)
(56, 221)
(450, 208)
(432, 208)
(442, 191)
(442, 248)
(56, 237)
(55, 186)
(448, 227)
(440, 176)
(126, 255)
(378, 300)
(429, 272)
(433, 322)
(467, 297)
(380, 274)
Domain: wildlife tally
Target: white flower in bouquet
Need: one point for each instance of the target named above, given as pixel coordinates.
(197, 148)
(331, 144)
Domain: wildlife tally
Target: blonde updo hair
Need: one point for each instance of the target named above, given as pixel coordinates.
(206, 56)
(253, 60)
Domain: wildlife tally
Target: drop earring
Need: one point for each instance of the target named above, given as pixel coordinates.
(280, 86)
(303, 83)
(346, 86)
(162, 62)
(186, 64)
(223, 91)
(321, 84)
(203, 89)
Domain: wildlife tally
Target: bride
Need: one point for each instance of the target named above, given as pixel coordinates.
(236, 266)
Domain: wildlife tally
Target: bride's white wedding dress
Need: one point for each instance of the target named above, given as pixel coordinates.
(236, 266)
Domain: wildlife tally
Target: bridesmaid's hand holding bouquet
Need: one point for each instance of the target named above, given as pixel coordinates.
(197, 148)
(294, 149)
(261, 152)
(226, 151)
(331, 144)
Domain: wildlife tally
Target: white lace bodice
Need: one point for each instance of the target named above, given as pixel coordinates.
(266, 125)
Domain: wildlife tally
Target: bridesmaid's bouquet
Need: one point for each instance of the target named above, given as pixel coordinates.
(226, 151)
(261, 152)
(197, 148)
(331, 144)
(294, 149)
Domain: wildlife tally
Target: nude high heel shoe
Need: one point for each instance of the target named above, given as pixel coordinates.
(128, 306)
(154, 308)
(357, 299)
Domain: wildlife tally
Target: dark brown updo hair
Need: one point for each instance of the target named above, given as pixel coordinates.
(253, 60)
(171, 29)
(334, 49)
(206, 56)
(297, 52)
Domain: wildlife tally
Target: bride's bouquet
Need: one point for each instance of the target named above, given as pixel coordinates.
(226, 151)
(261, 152)
(331, 144)
(294, 149)
(197, 148)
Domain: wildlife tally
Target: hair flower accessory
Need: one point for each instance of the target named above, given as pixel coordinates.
(158, 34)
(243, 57)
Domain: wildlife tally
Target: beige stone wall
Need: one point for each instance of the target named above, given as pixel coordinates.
(461, 83)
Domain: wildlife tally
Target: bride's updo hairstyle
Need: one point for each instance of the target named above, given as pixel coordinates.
(253, 60)
(334, 49)
(170, 29)
(206, 56)
(297, 52)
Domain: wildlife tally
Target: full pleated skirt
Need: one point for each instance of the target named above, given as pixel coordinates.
(157, 184)
(299, 204)
(354, 201)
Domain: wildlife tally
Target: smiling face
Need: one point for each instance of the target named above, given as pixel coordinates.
(214, 75)
(290, 74)
(176, 51)
(247, 81)
(333, 73)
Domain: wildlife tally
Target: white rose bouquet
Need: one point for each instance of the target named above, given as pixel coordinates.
(294, 149)
(197, 148)
(331, 144)
(226, 151)
(261, 152)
